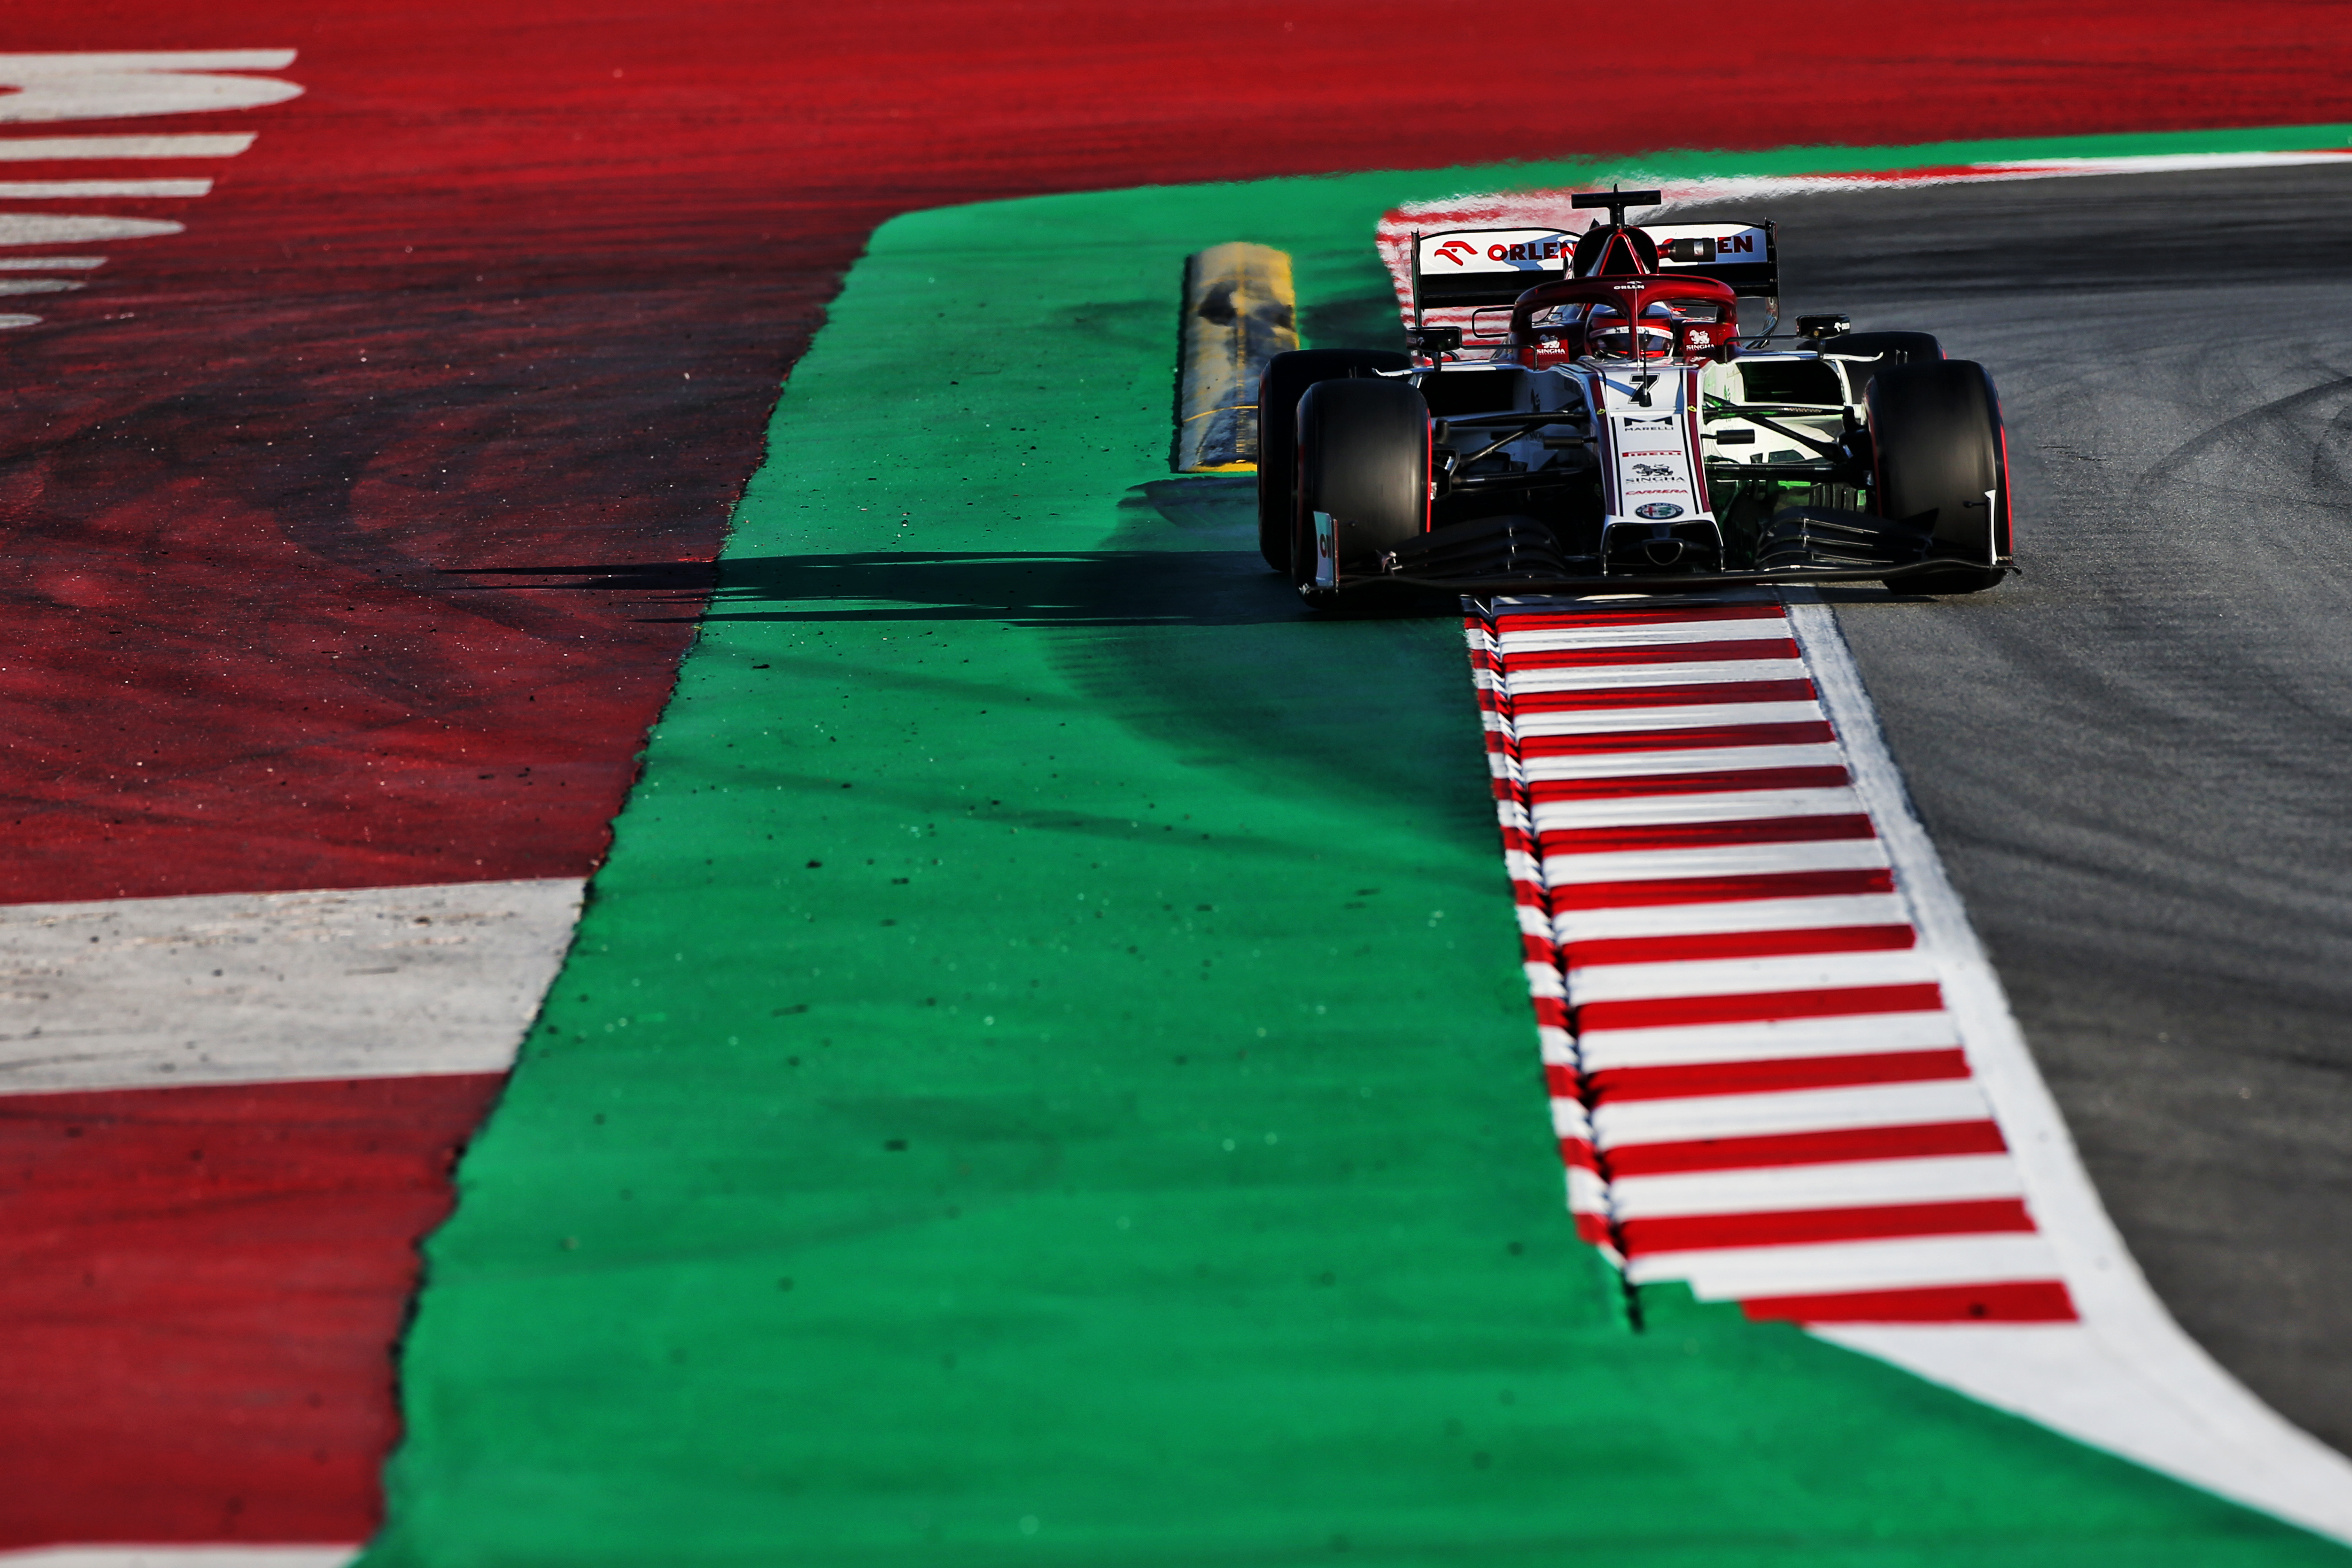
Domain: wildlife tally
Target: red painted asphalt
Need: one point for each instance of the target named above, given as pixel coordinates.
(202, 1284)
(357, 531)
(388, 480)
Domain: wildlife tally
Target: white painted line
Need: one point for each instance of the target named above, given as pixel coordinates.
(58, 87)
(1566, 868)
(1703, 806)
(1562, 639)
(47, 228)
(2149, 1393)
(43, 149)
(59, 190)
(1740, 917)
(2163, 162)
(1570, 1120)
(1680, 716)
(1620, 1124)
(37, 286)
(1790, 1189)
(33, 68)
(181, 1557)
(1834, 1268)
(1694, 672)
(257, 987)
(2077, 1379)
(50, 263)
(1749, 976)
(6, 323)
(1667, 764)
(1783, 1039)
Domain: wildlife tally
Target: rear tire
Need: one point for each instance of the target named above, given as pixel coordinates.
(1936, 430)
(1363, 458)
(1287, 376)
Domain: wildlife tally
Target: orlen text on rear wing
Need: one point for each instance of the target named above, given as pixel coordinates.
(1474, 267)
(1469, 269)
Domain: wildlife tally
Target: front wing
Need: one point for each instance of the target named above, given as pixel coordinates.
(1517, 554)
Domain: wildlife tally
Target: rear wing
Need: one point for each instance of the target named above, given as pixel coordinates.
(1469, 269)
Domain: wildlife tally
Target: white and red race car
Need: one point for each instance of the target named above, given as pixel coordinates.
(1586, 409)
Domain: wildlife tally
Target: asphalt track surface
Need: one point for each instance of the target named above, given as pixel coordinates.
(2133, 759)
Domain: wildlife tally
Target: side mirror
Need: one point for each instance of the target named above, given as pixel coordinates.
(1688, 250)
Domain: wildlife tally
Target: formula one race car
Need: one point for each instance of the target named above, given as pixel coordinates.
(1621, 430)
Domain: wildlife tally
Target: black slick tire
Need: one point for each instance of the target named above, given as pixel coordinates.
(1364, 458)
(1941, 466)
(1287, 378)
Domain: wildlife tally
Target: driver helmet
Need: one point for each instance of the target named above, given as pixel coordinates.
(1605, 334)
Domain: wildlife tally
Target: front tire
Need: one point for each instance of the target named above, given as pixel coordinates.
(1287, 378)
(1942, 466)
(1364, 458)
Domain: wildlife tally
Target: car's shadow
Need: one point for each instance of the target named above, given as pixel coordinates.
(1087, 587)
(1173, 626)
(1093, 587)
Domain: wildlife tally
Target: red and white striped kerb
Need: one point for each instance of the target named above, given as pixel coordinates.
(1757, 1088)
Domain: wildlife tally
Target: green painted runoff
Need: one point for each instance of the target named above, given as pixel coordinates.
(1045, 1075)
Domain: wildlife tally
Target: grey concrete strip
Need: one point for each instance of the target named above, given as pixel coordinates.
(253, 987)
